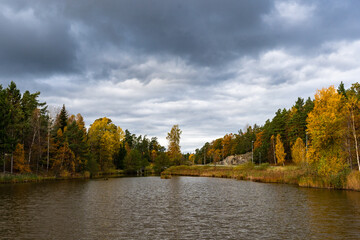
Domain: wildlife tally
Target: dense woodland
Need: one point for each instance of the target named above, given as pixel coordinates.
(32, 141)
(321, 134)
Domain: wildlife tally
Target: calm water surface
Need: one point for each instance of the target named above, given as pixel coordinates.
(177, 208)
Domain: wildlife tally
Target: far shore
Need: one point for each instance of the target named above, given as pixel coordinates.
(264, 173)
(268, 174)
(25, 178)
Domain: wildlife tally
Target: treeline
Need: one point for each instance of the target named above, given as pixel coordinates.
(32, 141)
(320, 133)
(289, 124)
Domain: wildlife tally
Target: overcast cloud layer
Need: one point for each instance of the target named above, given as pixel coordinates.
(210, 66)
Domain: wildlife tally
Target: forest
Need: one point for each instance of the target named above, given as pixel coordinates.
(319, 134)
(34, 142)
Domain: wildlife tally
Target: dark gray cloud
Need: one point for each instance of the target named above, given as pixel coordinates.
(34, 44)
(211, 66)
(53, 36)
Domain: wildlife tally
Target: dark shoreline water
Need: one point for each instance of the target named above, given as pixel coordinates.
(177, 208)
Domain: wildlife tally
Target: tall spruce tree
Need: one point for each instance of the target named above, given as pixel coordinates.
(63, 118)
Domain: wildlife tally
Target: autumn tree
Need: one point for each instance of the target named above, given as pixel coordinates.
(59, 147)
(258, 141)
(216, 155)
(20, 164)
(174, 145)
(326, 127)
(227, 145)
(298, 151)
(104, 140)
(259, 146)
(279, 150)
(352, 104)
(63, 158)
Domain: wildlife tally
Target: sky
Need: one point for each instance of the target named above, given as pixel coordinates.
(211, 66)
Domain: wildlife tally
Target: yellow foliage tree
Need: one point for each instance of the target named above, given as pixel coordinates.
(279, 151)
(104, 139)
(326, 126)
(215, 155)
(20, 164)
(64, 160)
(298, 152)
(174, 145)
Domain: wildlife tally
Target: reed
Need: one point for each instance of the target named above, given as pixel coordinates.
(353, 181)
(266, 173)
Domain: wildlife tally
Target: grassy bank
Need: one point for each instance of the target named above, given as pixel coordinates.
(22, 178)
(268, 174)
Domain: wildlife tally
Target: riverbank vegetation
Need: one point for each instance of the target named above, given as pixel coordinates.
(31, 177)
(249, 171)
(320, 136)
(37, 144)
(266, 173)
(316, 141)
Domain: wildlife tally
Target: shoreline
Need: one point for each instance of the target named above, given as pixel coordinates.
(32, 178)
(257, 173)
(267, 174)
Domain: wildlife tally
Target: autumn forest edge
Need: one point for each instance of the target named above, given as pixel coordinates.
(319, 135)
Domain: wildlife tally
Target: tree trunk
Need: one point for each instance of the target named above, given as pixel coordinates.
(40, 151)
(204, 155)
(63, 158)
(32, 143)
(12, 163)
(48, 150)
(348, 140)
(355, 137)
(4, 162)
(273, 142)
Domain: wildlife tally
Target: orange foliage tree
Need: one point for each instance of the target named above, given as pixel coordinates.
(20, 164)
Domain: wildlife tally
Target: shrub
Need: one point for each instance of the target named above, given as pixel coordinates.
(263, 166)
(353, 181)
(87, 174)
(245, 166)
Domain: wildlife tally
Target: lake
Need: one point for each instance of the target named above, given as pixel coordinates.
(177, 208)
